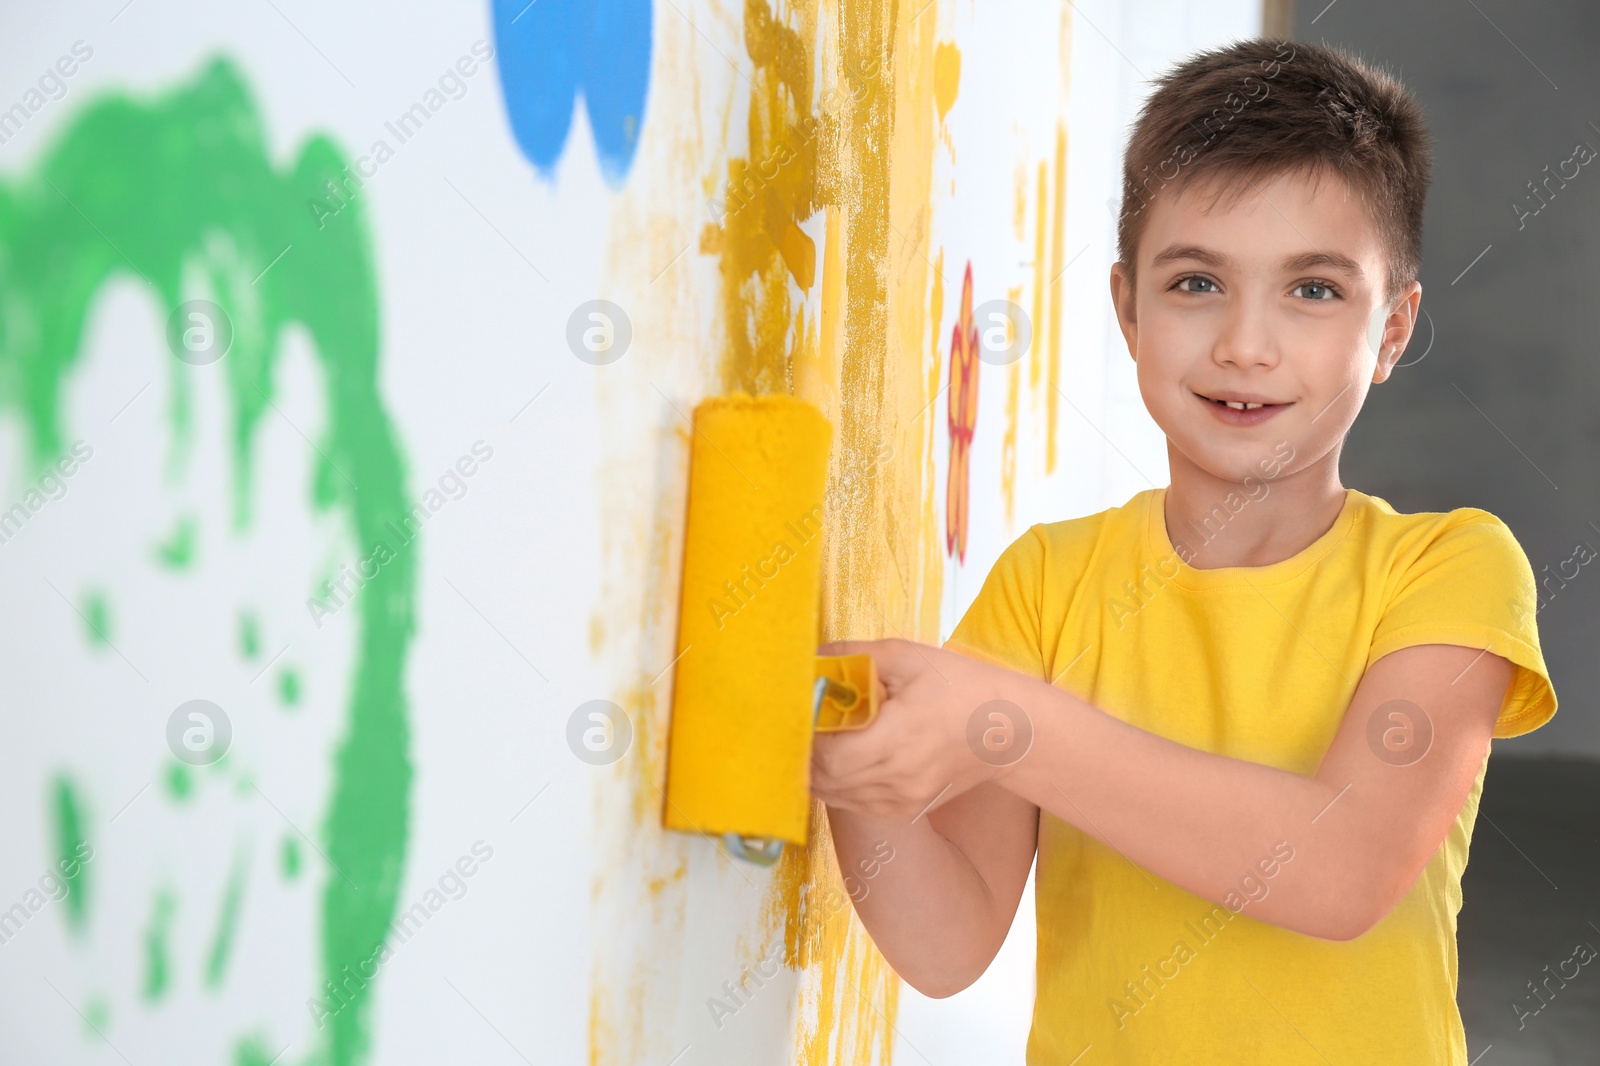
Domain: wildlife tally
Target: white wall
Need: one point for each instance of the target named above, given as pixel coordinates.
(545, 584)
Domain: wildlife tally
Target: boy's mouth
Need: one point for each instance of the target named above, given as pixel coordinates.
(1243, 409)
(1240, 401)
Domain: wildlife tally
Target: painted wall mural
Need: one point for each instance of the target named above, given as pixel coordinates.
(553, 54)
(292, 777)
(185, 186)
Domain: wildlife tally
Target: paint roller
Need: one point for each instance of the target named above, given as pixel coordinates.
(750, 690)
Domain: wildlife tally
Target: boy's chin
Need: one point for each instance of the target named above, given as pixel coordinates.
(1241, 465)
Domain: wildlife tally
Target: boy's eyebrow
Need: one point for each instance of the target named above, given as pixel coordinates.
(1303, 261)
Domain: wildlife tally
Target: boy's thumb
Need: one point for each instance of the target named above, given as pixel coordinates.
(890, 656)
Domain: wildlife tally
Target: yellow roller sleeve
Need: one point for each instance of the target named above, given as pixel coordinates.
(739, 752)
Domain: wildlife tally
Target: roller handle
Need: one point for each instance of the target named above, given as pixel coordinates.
(844, 699)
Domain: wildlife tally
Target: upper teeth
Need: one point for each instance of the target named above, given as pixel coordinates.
(1241, 406)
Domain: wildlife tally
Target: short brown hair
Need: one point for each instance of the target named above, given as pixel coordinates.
(1258, 108)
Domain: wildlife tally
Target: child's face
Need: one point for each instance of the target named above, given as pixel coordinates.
(1278, 296)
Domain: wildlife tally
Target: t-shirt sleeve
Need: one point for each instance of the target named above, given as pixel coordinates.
(1472, 585)
(1002, 624)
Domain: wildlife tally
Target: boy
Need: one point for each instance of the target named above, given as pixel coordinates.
(1244, 719)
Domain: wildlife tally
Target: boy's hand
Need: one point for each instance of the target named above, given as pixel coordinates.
(916, 755)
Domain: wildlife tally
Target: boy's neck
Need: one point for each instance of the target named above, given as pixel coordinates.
(1279, 518)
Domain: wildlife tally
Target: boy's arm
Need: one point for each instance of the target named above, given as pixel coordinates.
(940, 907)
(1362, 828)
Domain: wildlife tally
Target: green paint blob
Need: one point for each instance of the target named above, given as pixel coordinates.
(289, 688)
(183, 180)
(249, 635)
(227, 920)
(291, 858)
(322, 586)
(180, 782)
(253, 1051)
(72, 851)
(97, 1016)
(177, 551)
(96, 617)
(157, 954)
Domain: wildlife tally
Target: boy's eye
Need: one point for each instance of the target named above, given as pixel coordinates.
(1182, 284)
(1317, 291)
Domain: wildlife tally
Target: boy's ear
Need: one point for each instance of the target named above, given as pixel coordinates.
(1396, 332)
(1123, 302)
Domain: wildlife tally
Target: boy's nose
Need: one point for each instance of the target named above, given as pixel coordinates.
(1246, 338)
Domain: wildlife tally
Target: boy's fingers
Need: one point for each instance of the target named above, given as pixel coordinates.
(848, 647)
(895, 657)
(835, 761)
(865, 800)
(846, 761)
(900, 660)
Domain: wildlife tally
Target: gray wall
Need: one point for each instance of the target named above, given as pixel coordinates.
(1515, 336)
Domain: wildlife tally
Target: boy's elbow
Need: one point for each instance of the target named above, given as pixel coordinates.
(1351, 902)
(945, 981)
(1352, 917)
(939, 986)
(1341, 928)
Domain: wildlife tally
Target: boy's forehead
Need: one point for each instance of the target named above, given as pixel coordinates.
(1266, 221)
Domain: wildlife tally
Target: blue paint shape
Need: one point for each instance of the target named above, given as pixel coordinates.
(552, 51)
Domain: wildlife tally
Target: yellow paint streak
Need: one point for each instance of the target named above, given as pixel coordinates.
(1019, 210)
(1052, 394)
(935, 362)
(881, 562)
(1041, 218)
(946, 76)
(845, 978)
(854, 331)
(1008, 440)
(933, 549)
(601, 1037)
(816, 371)
(759, 244)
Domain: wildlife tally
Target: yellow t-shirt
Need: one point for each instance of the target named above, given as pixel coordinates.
(1256, 663)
